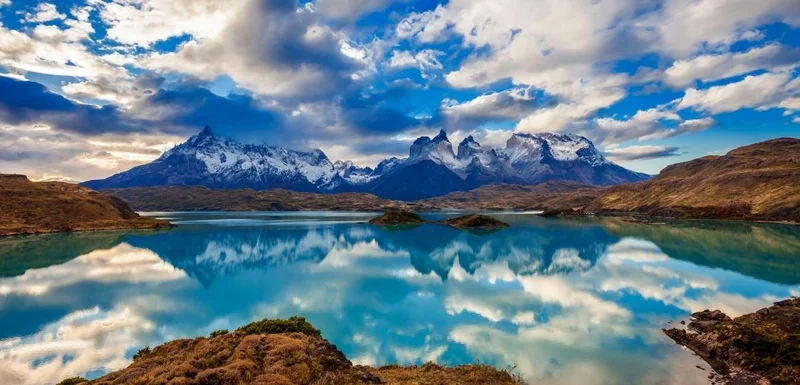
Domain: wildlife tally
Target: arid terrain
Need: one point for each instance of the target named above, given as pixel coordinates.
(196, 198)
(545, 196)
(554, 195)
(279, 352)
(29, 208)
(756, 182)
(751, 349)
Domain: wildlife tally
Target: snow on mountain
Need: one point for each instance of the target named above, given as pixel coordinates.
(353, 174)
(431, 169)
(208, 160)
(439, 150)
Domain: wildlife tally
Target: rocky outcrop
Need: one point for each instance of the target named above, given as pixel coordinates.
(475, 221)
(397, 218)
(278, 352)
(49, 207)
(764, 345)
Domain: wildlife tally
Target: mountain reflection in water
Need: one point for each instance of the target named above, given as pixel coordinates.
(565, 301)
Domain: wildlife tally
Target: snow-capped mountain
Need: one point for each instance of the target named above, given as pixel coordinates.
(209, 160)
(432, 167)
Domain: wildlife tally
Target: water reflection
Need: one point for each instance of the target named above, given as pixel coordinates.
(564, 301)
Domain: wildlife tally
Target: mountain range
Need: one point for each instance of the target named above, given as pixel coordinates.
(432, 168)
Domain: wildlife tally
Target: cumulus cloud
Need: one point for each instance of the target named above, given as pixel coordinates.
(751, 92)
(144, 22)
(44, 12)
(270, 47)
(509, 105)
(641, 152)
(348, 9)
(718, 66)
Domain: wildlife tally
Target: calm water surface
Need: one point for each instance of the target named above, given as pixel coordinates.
(560, 301)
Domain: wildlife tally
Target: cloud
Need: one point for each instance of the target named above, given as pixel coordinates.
(144, 22)
(751, 92)
(44, 12)
(25, 102)
(348, 9)
(719, 66)
(269, 47)
(641, 152)
(508, 105)
(426, 59)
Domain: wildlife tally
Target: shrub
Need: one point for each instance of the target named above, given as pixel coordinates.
(220, 332)
(142, 352)
(273, 326)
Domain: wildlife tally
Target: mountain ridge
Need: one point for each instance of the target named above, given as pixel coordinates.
(432, 168)
(760, 181)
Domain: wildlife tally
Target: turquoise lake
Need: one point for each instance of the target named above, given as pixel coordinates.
(559, 301)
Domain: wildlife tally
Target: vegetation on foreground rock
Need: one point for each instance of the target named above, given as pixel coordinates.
(475, 221)
(397, 217)
(765, 343)
(279, 352)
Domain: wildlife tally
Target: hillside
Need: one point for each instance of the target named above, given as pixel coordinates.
(279, 352)
(554, 195)
(27, 208)
(197, 198)
(755, 182)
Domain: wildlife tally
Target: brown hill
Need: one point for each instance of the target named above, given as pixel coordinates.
(756, 182)
(198, 198)
(27, 208)
(553, 195)
(278, 352)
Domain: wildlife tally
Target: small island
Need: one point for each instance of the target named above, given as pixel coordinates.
(278, 351)
(760, 347)
(397, 217)
(475, 221)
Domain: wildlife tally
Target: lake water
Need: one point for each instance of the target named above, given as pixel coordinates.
(561, 301)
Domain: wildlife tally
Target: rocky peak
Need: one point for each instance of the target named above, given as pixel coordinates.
(468, 147)
(438, 149)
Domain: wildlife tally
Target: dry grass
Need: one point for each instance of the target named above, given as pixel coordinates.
(253, 355)
(760, 182)
(191, 198)
(27, 207)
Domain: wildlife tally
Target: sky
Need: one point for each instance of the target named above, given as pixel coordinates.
(89, 88)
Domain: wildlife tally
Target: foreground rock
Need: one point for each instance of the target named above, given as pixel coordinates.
(756, 182)
(278, 352)
(397, 218)
(48, 207)
(198, 198)
(475, 221)
(754, 348)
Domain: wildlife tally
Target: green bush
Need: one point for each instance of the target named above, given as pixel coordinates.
(274, 326)
(142, 352)
(220, 332)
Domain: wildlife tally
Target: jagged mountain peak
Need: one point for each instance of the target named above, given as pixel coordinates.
(468, 147)
(431, 169)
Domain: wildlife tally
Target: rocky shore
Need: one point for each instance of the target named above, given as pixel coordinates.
(278, 352)
(757, 348)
